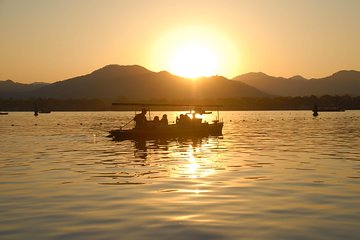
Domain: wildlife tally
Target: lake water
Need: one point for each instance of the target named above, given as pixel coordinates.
(272, 175)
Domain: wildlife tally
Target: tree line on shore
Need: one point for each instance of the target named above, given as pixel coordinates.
(275, 103)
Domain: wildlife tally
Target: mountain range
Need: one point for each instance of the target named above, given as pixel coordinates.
(9, 86)
(136, 82)
(340, 83)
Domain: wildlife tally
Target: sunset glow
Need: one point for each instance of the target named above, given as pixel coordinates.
(48, 41)
(196, 51)
(194, 60)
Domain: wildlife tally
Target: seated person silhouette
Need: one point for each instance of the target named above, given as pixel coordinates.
(164, 120)
(156, 121)
(184, 120)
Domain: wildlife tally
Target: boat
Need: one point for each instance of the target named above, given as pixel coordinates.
(187, 126)
(4, 113)
(44, 111)
(317, 109)
(36, 110)
(331, 109)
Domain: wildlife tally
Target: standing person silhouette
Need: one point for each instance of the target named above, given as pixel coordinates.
(140, 119)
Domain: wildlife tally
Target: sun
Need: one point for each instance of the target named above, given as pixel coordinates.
(193, 60)
(195, 51)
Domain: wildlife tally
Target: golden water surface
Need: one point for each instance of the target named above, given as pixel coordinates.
(272, 175)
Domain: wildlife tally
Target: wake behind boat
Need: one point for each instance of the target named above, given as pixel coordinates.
(187, 125)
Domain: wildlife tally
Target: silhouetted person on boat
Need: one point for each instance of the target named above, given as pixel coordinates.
(187, 119)
(140, 119)
(164, 120)
(180, 119)
(184, 120)
(156, 121)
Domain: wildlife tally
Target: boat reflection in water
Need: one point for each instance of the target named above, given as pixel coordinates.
(183, 157)
(156, 160)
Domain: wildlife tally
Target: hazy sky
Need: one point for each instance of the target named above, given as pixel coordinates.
(49, 40)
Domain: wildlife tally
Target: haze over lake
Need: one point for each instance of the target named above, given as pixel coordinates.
(275, 172)
(272, 175)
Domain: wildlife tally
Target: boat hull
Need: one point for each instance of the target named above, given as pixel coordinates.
(168, 131)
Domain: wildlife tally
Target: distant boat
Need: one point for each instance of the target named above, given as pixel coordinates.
(185, 126)
(45, 111)
(331, 109)
(315, 110)
(36, 110)
(4, 113)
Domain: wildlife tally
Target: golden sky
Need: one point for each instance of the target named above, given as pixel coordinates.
(48, 41)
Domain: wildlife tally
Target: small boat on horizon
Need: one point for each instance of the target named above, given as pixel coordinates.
(317, 109)
(331, 109)
(44, 111)
(4, 113)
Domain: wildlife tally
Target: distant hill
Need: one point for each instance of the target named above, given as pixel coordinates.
(11, 88)
(136, 82)
(340, 83)
(115, 81)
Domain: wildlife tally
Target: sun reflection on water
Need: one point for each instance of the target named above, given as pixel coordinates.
(195, 164)
(266, 178)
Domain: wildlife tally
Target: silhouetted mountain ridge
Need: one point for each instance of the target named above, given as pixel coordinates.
(10, 87)
(345, 82)
(297, 77)
(113, 81)
(348, 74)
(125, 70)
(136, 82)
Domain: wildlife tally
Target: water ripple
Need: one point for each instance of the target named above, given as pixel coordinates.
(272, 175)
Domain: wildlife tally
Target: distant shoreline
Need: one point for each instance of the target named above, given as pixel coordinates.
(239, 110)
(230, 104)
